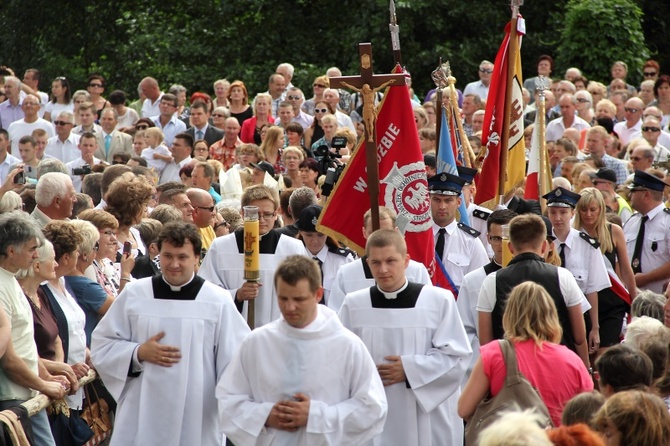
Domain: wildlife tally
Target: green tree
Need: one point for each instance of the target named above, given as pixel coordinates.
(600, 32)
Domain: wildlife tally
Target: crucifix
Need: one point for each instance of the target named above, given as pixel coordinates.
(367, 84)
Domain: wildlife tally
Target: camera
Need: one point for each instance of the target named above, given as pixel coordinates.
(338, 142)
(20, 178)
(83, 170)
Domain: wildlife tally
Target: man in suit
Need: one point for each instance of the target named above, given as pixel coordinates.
(200, 128)
(110, 141)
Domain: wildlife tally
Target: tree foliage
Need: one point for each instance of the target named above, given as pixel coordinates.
(600, 32)
(195, 43)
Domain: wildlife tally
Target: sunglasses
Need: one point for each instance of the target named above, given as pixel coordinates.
(649, 73)
(62, 123)
(320, 110)
(631, 110)
(95, 85)
(205, 208)
(486, 71)
(635, 158)
(319, 85)
(218, 115)
(651, 129)
(582, 100)
(294, 98)
(142, 127)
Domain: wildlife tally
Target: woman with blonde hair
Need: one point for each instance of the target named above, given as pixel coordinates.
(221, 87)
(272, 148)
(634, 418)
(421, 118)
(251, 129)
(318, 87)
(292, 157)
(590, 219)
(531, 324)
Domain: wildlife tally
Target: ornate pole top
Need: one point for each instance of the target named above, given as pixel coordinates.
(442, 74)
(542, 84)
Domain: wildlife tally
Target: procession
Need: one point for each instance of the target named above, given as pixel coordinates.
(484, 265)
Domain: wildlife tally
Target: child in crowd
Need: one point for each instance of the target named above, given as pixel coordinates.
(156, 154)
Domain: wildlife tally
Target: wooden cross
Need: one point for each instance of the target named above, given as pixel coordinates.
(367, 84)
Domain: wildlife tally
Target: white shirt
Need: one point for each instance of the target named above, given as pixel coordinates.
(75, 164)
(6, 166)
(584, 262)
(331, 262)
(65, 151)
(627, 133)
(171, 171)
(19, 129)
(656, 245)
(556, 127)
(343, 120)
(156, 164)
(150, 109)
(462, 252)
(477, 88)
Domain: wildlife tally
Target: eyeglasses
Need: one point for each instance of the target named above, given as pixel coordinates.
(217, 115)
(319, 85)
(651, 129)
(631, 110)
(486, 70)
(141, 127)
(95, 85)
(320, 110)
(268, 215)
(205, 208)
(168, 104)
(62, 123)
(582, 100)
(649, 73)
(294, 98)
(223, 223)
(31, 104)
(109, 233)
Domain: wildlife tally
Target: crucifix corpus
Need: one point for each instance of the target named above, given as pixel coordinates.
(367, 84)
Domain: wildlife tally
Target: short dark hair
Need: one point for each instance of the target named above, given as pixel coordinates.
(500, 217)
(117, 97)
(548, 58)
(296, 268)
(139, 160)
(526, 231)
(295, 128)
(201, 105)
(624, 368)
(170, 97)
(27, 140)
(186, 137)
(177, 233)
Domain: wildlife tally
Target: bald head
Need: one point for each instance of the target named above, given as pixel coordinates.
(150, 89)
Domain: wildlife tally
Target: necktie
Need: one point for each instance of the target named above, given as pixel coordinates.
(637, 252)
(439, 246)
(108, 142)
(320, 263)
(561, 254)
(199, 134)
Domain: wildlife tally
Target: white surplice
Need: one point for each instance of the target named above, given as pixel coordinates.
(435, 352)
(324, 361)
(167, 406)
(224, 266)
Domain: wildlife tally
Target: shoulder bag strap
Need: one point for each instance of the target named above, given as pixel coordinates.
(509, 356)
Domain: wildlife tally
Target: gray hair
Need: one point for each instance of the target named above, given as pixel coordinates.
(17, 228)
(44, 252)
(176, 89)
(50, 165)
(51, 185)
(288, 66)
(66, 116)
(585, 95)
(648, 303)
(300, 199)
(89, 233)
(223, 110)
(332, 90)
(13, 80)
(83, 93)
(11, 201)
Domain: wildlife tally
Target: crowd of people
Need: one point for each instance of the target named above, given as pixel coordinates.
(122, 249)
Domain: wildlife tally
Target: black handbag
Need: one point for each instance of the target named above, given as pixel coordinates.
(67, 427)
(516, 395)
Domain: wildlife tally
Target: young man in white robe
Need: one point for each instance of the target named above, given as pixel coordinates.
(416, 338)
(356, 275)
(302, 380)
(162, 347)
(224, 263)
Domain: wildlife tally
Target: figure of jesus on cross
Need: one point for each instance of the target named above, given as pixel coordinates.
(367, 83)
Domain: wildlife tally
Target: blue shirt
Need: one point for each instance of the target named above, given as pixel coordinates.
(90, 296)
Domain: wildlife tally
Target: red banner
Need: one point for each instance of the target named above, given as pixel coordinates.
(403, 185)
